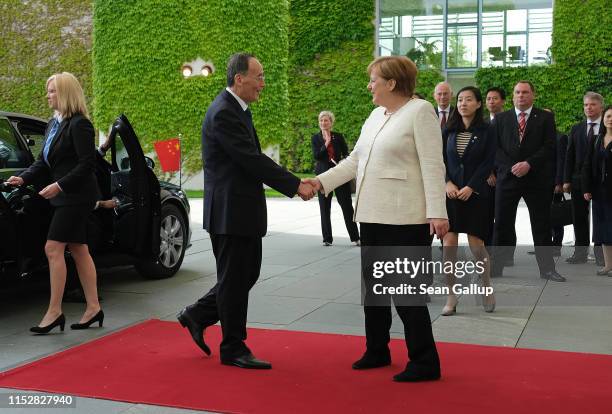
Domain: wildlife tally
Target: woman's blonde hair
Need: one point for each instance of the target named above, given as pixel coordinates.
(399, 68)
(328, 114)
(70, 97)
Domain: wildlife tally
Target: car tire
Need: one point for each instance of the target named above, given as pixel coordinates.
(173, 238)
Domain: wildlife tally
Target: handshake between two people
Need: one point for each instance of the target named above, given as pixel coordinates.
(309, 187)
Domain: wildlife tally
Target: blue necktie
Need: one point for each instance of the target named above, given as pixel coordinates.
(50, 138)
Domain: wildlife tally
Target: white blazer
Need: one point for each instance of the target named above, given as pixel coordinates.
(399, 167)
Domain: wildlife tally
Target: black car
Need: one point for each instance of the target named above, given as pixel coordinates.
(148, 228)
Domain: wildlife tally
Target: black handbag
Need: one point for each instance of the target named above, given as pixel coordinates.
(561, 213)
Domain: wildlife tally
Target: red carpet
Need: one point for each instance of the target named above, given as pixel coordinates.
(155, 362)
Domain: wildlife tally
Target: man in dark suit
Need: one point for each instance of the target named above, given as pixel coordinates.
(558, 168)
(443, 93)
(525, 144)
(495, 101)
(235, 214)
(580, 137)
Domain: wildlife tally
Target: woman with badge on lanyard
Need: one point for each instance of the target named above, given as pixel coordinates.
(68, 158)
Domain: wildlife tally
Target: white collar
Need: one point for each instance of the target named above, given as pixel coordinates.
(447, 110)
(242, 103)
(527, 111)
(597, 121)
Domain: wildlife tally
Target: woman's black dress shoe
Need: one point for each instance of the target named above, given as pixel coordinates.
(60, 321)
(98, 317)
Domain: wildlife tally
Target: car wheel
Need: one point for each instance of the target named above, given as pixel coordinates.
(173, 238)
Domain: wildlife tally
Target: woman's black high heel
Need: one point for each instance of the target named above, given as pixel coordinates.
(98, 317)
(60, 321)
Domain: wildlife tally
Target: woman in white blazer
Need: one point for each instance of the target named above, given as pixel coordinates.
(401, 198)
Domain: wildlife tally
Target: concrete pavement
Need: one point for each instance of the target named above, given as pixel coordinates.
(308, 287)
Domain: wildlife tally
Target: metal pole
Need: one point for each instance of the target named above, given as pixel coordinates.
(180, 136)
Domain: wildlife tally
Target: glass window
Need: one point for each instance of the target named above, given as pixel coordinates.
(512, 32)
(414, 28)
(462, 34)
(462, 47)
(11, 155)
(516, 20)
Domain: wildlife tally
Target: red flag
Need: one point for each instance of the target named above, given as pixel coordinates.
(169, 154)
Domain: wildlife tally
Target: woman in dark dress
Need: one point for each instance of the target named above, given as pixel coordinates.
(328, 148)
(597, 185)
(469, 153)
(68, 160)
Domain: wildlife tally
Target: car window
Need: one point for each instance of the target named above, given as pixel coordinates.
(123, 158)
(11, 154)
(33, 130)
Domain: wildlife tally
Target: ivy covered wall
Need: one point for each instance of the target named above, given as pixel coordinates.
(140, 46)
(331, 44)
(582, 55)
(37, 39)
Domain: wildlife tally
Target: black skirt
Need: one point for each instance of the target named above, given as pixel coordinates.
(470, 217)
(602, 216)
(69, 223)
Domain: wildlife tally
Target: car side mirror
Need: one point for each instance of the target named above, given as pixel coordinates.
(150, 162)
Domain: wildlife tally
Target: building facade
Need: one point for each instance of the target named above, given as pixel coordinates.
(460, 36)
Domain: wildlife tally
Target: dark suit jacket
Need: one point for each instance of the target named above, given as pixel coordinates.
(577, 146)
(596, 171)
(235, 170)
(537, 148)
(451, 109)
(560, 152)
(72, 162)
(474, 167)
(319, 151)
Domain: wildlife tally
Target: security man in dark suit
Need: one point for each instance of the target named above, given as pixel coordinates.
(525, 144)
(495, 100)
(580, 138)
(235, 214)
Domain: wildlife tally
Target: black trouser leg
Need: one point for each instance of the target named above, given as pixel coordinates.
(489, 240)
(238, 264)
(422, 351)
(504, 234)
(557, 232)
(417, 324)
(538, 203)
(325, 209)
(343, 195)
(580, 212)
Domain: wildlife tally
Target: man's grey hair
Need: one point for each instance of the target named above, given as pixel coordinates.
(594, 96)
(238, 63)
(444, 83)
(328, 114)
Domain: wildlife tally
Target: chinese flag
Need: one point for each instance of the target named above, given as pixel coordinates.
(169, 154)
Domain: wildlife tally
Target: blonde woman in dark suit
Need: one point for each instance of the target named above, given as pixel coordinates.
(328, 149)
(398, 165)
(68, 159)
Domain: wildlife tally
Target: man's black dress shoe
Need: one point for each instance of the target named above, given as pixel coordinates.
(411, 376)
(247, 361)
(553, 276)
(195, 329)
(60, 321)
(373, 360)
(576, 259)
